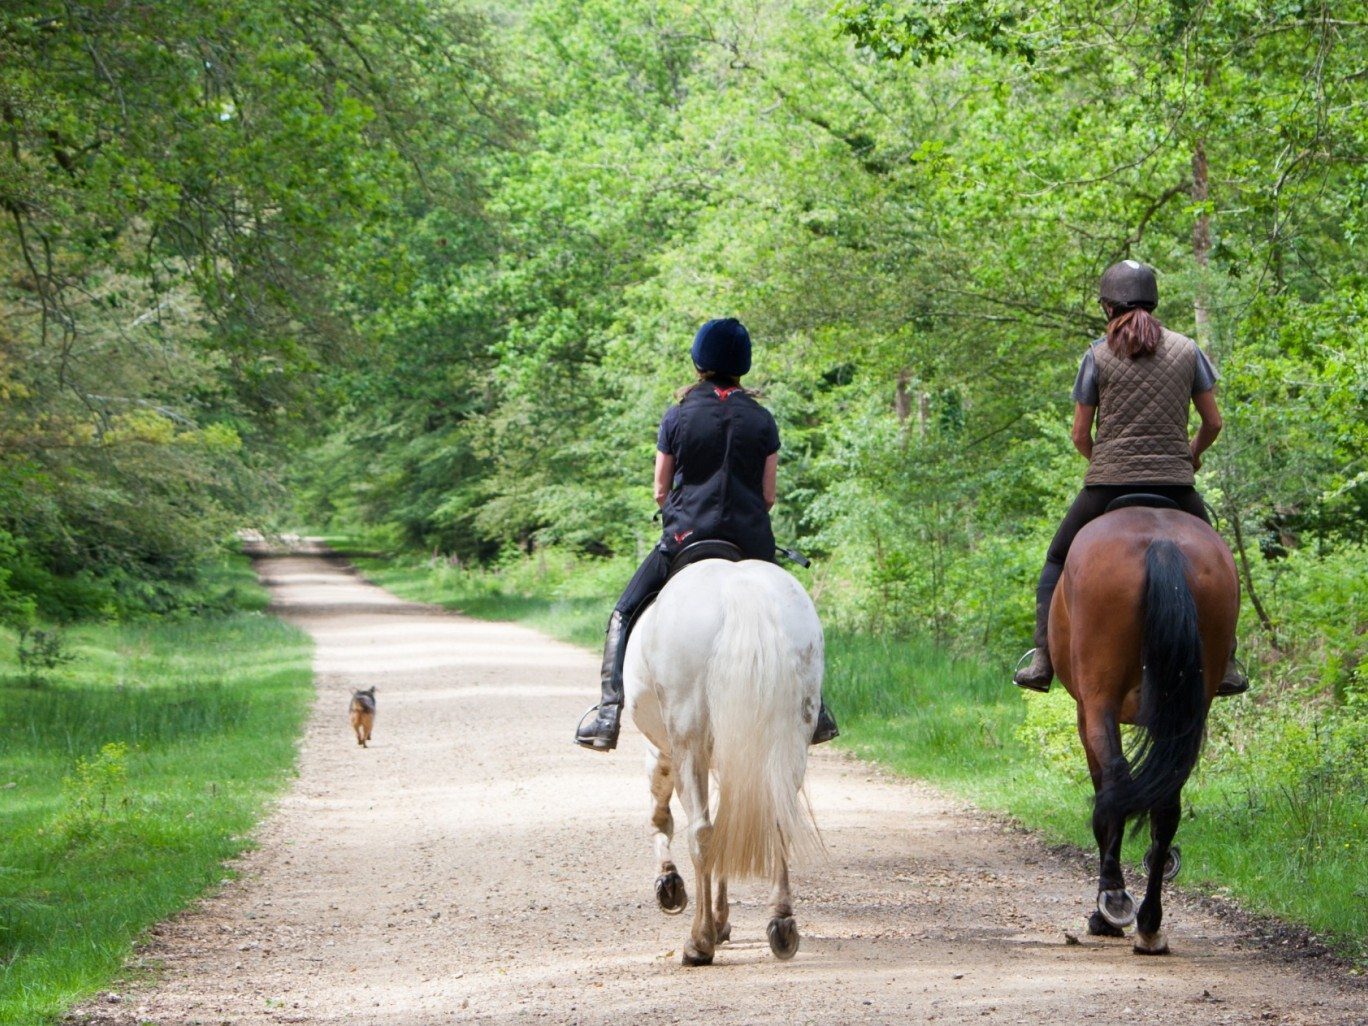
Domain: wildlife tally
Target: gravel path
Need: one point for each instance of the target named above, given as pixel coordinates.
(473, 866)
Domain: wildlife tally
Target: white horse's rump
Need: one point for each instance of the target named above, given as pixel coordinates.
(724, 673)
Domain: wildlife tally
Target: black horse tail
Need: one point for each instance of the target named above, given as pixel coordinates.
(1173, 706)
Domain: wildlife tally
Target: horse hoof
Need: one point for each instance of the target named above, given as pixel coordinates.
(1151, 943)
(670, 893)
(1117, 907)
(1172, 864)
(692, 956)
(783, 937)
(1099, 927)
(724, 934)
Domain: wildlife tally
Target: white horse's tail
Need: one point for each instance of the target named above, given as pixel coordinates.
(760, 742)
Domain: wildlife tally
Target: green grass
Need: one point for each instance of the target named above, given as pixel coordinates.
(127, 776)
(559, 596)
(1275, 816)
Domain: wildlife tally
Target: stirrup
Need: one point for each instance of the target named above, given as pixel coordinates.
(1042, 686)
(594, 744)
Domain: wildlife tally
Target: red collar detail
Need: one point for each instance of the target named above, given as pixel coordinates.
(723, 393)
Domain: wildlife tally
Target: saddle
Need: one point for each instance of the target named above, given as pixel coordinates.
(1141, 499)
(711, 548)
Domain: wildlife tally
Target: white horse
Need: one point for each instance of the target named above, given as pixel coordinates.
(724, 673)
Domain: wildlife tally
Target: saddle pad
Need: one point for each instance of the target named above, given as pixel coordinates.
(1141, 499)
(711, 548)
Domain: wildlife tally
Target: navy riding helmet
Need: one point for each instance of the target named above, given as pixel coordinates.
(723, 346)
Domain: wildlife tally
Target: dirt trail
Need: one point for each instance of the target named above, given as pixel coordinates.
(473, 866)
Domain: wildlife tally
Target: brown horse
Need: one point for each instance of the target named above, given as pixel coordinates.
(1140, 628)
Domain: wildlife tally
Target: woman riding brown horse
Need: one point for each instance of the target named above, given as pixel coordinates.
(1139, 630)
(1137, 384)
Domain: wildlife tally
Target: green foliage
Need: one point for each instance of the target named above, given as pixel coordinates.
(16, 608)
(195, 199)
(40, 650)
(910, 205)
(1321, 604)
(128, 780)
(1050, 731)
(95, 792)
(929, 31)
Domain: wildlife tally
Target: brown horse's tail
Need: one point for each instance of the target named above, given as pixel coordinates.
(1173, 705)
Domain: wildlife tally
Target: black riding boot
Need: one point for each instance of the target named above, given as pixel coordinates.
(1235, 681)
(825, 728)
(1036, 676)
(602, 734)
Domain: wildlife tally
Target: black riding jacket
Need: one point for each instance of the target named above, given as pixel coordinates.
(720, 439)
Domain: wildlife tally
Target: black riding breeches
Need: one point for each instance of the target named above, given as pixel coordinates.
(649, 579)
(1091, 503)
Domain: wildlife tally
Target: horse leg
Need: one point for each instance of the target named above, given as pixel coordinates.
(692, 787)
(783, 928)
(1106, 764)
(1097, 926)
(1149, 938)
(669, 885)
(722, 911)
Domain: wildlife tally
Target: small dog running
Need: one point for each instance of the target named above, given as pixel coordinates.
(363, 714)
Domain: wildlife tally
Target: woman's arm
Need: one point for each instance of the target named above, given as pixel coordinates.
(1082, 429)
(664, 476)
(770, 482)
(1210, 427)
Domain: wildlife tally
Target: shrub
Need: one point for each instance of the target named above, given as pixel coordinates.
(95, 793)
(41, 650)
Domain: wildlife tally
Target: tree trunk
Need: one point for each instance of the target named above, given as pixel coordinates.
(902, 403)
(1265, 621)
(1201, 241)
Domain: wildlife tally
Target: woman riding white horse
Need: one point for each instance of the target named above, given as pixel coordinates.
(717, 458)
(724, 674)
(725, 668)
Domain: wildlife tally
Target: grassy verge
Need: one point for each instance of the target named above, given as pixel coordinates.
(566, 599)
(127, 776)
(1275, 816)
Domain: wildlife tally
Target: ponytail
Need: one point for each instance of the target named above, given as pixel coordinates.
(716, 380)
(1134, 333)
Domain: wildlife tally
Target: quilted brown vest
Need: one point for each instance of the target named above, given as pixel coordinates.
(1142, 415)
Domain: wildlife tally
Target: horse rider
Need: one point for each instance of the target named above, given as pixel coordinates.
(717, 459)
(1136, 383)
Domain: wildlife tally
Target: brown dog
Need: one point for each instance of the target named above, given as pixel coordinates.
(363, 714)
